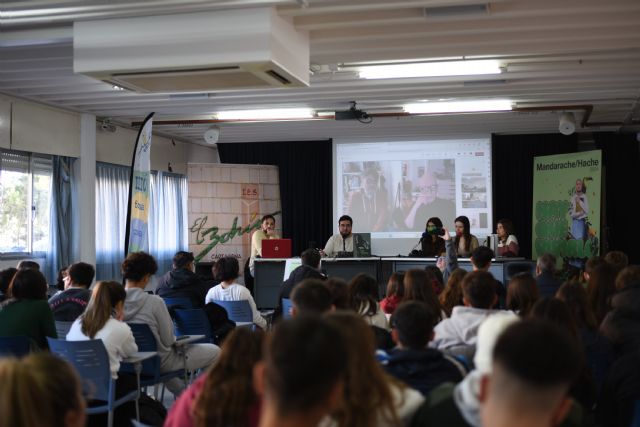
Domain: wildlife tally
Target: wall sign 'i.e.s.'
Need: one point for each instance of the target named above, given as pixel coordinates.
(211, 233)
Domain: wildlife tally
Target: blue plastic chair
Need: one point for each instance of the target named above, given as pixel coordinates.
(62, 328)
(287, 305)
(17, 346)
(178, 302)
(193, 322)
(150, 374)
(91, 361)
(238, 311)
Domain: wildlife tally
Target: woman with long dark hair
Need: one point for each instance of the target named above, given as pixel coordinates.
(432, 245)
(507, 241)
(363, 299)
(465, 242)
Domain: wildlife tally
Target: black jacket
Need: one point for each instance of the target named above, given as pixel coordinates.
(622, 325)
(548, 284)
(183, 283)
(423, 369)
(69, 304)
(296, 276)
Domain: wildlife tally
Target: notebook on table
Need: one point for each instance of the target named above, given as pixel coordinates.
(276, 248)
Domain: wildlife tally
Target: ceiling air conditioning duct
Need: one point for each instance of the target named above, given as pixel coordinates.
(193, 52)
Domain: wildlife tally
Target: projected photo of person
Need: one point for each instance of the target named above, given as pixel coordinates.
(434, 193)
(368, 203)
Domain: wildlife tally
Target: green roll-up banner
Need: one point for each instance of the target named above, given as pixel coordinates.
(566, 206)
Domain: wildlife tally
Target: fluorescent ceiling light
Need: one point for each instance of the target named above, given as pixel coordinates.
(459, 106)
(430, 69)
(266, 114)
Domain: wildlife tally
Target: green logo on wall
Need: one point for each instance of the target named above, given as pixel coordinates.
(211, 233)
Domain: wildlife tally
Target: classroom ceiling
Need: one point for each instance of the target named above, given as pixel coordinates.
(580, 56)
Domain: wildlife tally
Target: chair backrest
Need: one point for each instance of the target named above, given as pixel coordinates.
(62, 328)
(238, 311)
(145, 340)
(91, 361)
(15, 346)
(287, 305)
(178, 302)
(193, 322)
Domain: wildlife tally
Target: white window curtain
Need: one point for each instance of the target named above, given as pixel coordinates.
(167, 218)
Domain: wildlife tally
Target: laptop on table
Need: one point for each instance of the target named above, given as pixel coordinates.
(276, 248)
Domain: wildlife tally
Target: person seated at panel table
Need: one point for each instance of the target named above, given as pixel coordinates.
(428, 202)
(267, 231)
(432, 245)
(465, 242)
(343, 241)
(507, 242)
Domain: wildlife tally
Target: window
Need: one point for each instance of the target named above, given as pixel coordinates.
(25, 202)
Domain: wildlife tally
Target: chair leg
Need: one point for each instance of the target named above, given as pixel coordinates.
(110, 419)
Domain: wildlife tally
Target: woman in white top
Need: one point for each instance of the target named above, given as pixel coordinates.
(371, 397)
(363, 298)
(226, 271)
(507, 242)
(102, 320)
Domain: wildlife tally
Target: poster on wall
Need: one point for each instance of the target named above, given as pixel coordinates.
(226, 204)
(566, 206)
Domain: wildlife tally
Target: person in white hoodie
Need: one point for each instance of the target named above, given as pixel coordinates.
(461, 329)
(141, 307)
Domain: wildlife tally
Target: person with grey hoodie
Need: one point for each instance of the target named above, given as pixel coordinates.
(141, 307)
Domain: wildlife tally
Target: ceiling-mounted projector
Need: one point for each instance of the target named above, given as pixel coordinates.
(353, 114)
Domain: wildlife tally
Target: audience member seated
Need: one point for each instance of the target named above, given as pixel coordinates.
(28, 265)
(371, 397)
(533, 368)
(617, 259)
(363, 299)
(40, 390)
(601, 285)
(590, 265)
(70, 303)
(301, 379)
(622, 325)
(465, 242)
(458, 405)
(461, 329)
(522, 294)
(25, 311)
(339, 289)
(6, 276)
(226, 271)
(141, 307)
(224, 396)
(438, 278)
(627, 276)
(395, 292)
(451, 296)
(102, 320)
(507, 242)
(183, 282)
(597, 349)
(620, 392)
(412, 361)
(311, 297)
(557, 312)
(418, 286)
(60, 280)
(548, 283)
(310, 269)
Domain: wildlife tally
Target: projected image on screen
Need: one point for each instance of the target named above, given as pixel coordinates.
(391, 189)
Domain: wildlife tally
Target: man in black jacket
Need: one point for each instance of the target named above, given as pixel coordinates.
(182, 282)
(546, 279)
(310, 269)
(70, 303)
(412, 362)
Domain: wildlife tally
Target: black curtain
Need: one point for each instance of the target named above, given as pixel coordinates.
(513, 177)
(305, 171)
(621, 160)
